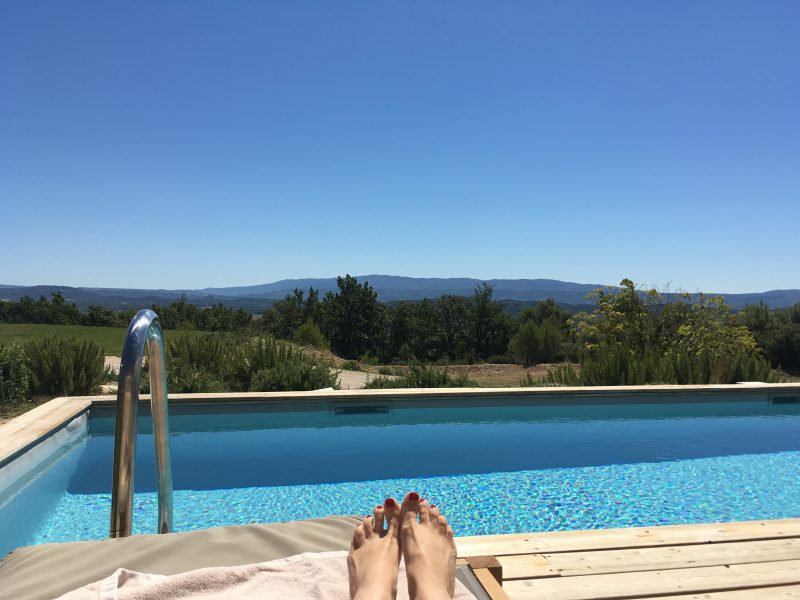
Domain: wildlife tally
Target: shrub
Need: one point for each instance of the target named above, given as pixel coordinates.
(308, 334)
(276, 366)
(422, 377)
(65, 366)
(615, 364)
(563, 376)
(221, 363)
(351, 365)
(197, 363)
(15, 376)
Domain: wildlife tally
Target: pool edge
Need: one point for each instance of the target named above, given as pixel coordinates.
(25, 431)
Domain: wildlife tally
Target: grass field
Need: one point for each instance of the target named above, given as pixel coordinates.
(109, 338)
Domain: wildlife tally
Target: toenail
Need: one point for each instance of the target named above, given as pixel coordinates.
(390, 502)
(414, 497)
(378, 507)
(433, 506)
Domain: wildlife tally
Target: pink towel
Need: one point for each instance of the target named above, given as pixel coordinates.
(317, 576)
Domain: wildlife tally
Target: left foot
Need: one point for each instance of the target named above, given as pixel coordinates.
(374, 556)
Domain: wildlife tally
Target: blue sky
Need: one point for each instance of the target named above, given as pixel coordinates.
(193, 144)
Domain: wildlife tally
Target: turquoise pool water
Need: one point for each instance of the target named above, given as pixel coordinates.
(493, 469)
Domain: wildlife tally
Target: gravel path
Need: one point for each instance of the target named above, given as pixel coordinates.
(354, 380)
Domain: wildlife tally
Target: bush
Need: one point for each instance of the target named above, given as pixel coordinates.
(564, 376)
(351, 365)
(615, 364)
(15, 376)
(275, 366)
(65, 366)
(197, 363)
(422, 377)
(308, 334)
(220, 363)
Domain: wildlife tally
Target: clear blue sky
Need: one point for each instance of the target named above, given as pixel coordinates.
(192, 144)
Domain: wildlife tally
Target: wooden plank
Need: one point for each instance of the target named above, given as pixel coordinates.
(490, 563)
(490, 585)
(654, 583)
(526, 566)
(783, 592)
(634, 537)
(569, 564)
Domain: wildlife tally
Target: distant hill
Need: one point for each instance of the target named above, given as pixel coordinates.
(256, 298)
(392, 287)
(122, 299)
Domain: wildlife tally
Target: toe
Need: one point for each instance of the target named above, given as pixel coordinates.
(393, 526)
(391, 509)
(443, 524)
(410, 507)
(435, 515)
(358, 536)
(424, 511)
(367, 526)
(377, 519)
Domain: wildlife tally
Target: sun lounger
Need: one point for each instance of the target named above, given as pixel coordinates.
(47, 571)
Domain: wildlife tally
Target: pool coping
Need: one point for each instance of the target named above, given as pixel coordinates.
(25, 431)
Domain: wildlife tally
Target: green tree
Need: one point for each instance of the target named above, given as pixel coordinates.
(352, 318)
(491, 327)
(526, 344)
(537, 343)
(621, 316)
(285, 316)
(308, 334)
(453, 317)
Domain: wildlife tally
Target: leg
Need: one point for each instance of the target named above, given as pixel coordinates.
(429, 550)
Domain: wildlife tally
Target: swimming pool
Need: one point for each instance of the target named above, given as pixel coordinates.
(495, 468)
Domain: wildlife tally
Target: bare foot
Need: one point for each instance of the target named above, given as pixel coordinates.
(428, 549)
(375, 555)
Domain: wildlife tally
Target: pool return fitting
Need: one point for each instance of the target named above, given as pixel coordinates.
(145, 328)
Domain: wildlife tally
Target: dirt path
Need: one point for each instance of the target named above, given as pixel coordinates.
(355, 380)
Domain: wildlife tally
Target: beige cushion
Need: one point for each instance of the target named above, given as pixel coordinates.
(49, 570)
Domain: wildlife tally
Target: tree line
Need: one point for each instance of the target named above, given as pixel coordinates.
(181, 314)
(448, 329)
(630, 335)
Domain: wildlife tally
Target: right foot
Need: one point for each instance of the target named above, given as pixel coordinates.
(428, 549)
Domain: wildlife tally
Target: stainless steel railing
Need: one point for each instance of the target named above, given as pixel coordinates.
(144, 329)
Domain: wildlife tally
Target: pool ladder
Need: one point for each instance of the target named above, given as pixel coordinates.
(144, 329)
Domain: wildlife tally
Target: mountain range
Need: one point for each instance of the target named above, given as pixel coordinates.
(390, 288)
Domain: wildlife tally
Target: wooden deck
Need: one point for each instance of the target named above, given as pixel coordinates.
(721, 561)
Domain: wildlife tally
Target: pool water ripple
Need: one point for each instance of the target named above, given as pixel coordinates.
(727, 488)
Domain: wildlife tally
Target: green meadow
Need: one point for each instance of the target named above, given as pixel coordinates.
(109, 338)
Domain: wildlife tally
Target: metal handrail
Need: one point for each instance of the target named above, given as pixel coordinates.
(144, 329)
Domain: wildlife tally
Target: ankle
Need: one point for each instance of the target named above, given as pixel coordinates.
(431, 594)
(373, 592)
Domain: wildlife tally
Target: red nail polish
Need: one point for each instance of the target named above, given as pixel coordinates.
(378, 507)
(433, 506)
(389, 502)
(414, 497)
